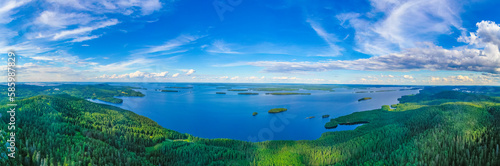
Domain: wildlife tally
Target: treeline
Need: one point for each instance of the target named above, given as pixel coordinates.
(102, 92)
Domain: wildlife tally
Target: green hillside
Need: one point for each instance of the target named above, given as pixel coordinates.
(434, 127)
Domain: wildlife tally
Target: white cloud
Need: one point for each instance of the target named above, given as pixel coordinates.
(329, 38)
(235, 78)
(462, 80)
(219, 46)
(175, 75)
(137, 74)
(190, 71)
(7, 9)
(75, 33)
(404, 24)
(84, 38)
(171, 44)
(125, 7)
(62, 20)
(284, 78)
(123, 65)
(429, 57)
(408, 77)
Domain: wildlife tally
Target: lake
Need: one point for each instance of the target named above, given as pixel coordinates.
(203, 113)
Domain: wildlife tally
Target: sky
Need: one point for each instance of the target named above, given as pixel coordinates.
(411, 42)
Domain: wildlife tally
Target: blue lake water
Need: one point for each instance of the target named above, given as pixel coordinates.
(201, 112)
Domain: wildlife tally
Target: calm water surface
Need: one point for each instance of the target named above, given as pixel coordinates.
(201, 112)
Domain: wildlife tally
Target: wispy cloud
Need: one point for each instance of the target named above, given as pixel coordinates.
(125, 7)
(137, 74)
(123, 65)
(404, 24)
(7, 9)
(76, 33)
(329, 38)
(62, 20)
(219, 46)
(171, 46)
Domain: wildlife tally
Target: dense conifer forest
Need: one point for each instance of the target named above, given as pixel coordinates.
(438, 126)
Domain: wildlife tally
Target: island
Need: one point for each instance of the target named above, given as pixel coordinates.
(364, 98)
(248, 93)
(254, 113)
(286, 93)
(354, 123)
(332, 124)
(275, 89)
(237, 90)
(220, 93)
(176, 87)
(385, 91)
(325, 116)
(169, 91)
(223, 87)
(277, 110)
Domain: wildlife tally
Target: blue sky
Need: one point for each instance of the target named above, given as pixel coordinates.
(429, 42)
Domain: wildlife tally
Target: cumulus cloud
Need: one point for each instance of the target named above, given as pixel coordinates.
(190, 71)
(175, 75)
(408, 77)
(460, 79)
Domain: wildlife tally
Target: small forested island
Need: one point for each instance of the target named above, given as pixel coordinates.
(277, 110)
(254, 113)
(248, 93)
(176, 87)
(169, 90)
(220, 93)
(237, 90)
(332, 124)
(288, 93)
(325, 116)
(364, 98)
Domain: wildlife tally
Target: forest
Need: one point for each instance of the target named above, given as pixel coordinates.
(438, 126)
